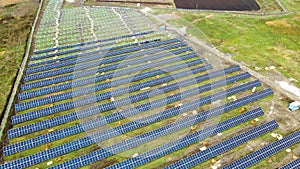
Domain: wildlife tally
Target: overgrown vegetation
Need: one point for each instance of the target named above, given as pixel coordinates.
(16, 18)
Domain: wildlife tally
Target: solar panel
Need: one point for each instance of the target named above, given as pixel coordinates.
(102, 96)
(78, 58)
(186, 141)
(141, 139)
(59, 134)
(91, 42)
(93, 79)
(102, 86)
(292, 165)
(96, 155)
(51, 73)
(96, 109)
(224, 146)
(265, 152)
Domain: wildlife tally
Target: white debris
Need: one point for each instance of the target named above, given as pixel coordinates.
(219, 134)
(293, 80)
(253, 89)
(184, 114)
(146, 9)
(288, 87)
(102, 73)
(203, 148)
(274, 135)
(272, 67)
(256, 119)
(112, 99)
(135, 155)
(279, 137)
(194, 112)
(288, 150)
(145, 88)
(214, 167)
(180, 104)
(234, 97)
(165, 84)
(149, 62)
(49, 163)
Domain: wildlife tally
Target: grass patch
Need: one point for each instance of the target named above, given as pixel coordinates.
(257, 41)
(16, 19)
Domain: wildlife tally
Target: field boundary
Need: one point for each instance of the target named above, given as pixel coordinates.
(20, 73)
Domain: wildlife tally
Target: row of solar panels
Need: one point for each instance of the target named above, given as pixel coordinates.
(80, 57)
(94, 43)
(51, 73)
(98, 87)
(96, 78)
(102, 96)
(16, 132)
(80, 143)
(140, 139)
(91, 42)
(116, 116)
(63, 78)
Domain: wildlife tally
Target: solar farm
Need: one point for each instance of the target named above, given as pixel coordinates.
(105, 87)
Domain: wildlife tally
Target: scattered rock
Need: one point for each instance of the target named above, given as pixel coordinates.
(49, 163)
(293, 80)
(51, 130)
(135, 155)
(295, 157)
(243, 110)
(194, 112)
(203, 148)
(257, 68)
(253, 89)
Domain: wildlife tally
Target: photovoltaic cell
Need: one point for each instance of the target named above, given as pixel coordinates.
(265, 152)
(292, 165)
(186, 141)
(224, 146)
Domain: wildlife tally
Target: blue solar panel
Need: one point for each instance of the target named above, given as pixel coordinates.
(91, 42)
(51, 73)
(98, 87)
(186, 141)
(265, 152)
(93, 79)
(292, 165)
(224, 146)
(84, 57)
(113, 117)
(102, 96)
(96, 109)
(141, 139)
(102, 153)
(79, 59)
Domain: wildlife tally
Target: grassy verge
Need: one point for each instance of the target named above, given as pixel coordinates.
(16, 18)
(257, 41)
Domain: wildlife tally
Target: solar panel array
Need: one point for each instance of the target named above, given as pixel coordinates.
(112, 117)
(265, 152)
(86, 112)
(292, 165)
(95, 68)
(224, 146)
(187, 140)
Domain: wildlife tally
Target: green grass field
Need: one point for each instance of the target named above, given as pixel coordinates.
(258, 41)
(16, 18)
